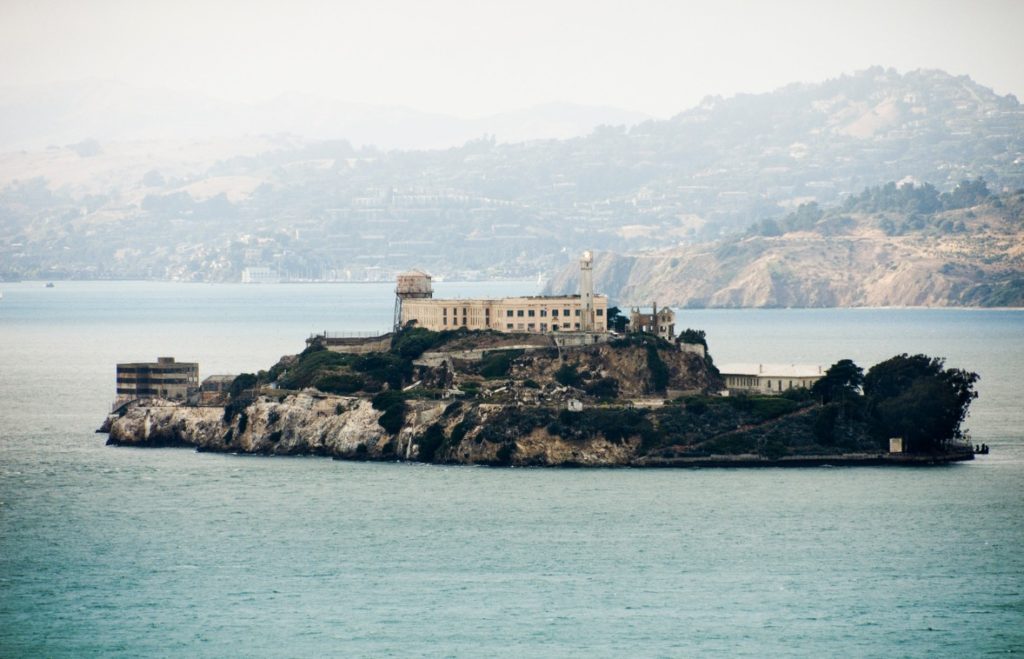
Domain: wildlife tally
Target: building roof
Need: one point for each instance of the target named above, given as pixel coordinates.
(220, 378)
(773, 370)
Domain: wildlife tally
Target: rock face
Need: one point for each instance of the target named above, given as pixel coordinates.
(510, 419)
(311, 423)
(637, 401)
(981, 264)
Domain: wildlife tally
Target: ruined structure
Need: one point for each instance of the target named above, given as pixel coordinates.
(660, 322)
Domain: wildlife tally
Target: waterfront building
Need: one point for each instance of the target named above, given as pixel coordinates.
(584, 312)
(260, 275)
(164, 378)
(769, 378)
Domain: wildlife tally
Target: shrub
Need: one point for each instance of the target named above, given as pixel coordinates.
(658, 369)
(696, 406)
(731, 444)
(392, 403)
(568, 376)
(429, 442)
(412, 342)
(311, 365)
(339, 383)
(235, 406)
(604, 388)
(506, 452)
(384, 367)
(496, 364)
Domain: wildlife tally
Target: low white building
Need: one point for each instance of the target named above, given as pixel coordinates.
(770, 378)
(260, 275)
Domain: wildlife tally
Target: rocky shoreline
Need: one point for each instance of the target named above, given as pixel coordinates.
(348, 428)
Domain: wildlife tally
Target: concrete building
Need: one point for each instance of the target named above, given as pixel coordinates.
(215, 389)
(164, 378)
(585, 312)
(660, 322)
(769, 378)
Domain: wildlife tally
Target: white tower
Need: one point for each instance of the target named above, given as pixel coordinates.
(587, 291)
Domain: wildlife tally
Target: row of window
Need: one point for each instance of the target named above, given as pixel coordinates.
(455, 311)
(531, 313)
(532, 327)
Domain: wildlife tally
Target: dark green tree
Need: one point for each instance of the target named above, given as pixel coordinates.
(841, 383)
(916, 398)
(616, 320)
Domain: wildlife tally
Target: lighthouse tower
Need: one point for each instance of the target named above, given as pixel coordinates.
(587, 291)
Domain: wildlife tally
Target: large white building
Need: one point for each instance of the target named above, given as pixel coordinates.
(769, 378)
(585, 312)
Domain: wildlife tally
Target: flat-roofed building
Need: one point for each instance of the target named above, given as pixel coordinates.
(584, 312)
(164, 378)
(536, 313)
(769, 378)
(215, 389)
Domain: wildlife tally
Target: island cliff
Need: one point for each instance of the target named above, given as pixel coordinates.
(485, 398)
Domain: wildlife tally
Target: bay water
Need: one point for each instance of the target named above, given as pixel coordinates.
(125, 552)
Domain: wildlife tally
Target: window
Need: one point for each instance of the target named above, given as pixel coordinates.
(577, 312)
(543, 327)
(519, 312)
(444, 311)
(531, 313)
(600, 312)
(554, 313)
(463, 320)
(565, 325)
(463, 311)
(577, 326)
(444, 321)
(531, 326)
(519, 326)
(509, 313)
(543, 313)
(566, 313)
(508, 325)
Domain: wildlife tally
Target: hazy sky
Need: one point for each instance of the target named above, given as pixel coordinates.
(475, 57)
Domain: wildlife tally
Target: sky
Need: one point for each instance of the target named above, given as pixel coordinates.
(474, 58)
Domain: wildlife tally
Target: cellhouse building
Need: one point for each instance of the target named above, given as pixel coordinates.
(583, 313)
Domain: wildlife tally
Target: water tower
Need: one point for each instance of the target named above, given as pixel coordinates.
(412, 285)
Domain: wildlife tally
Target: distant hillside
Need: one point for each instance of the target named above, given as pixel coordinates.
(204, 210)
(888, 246)
(68, 113)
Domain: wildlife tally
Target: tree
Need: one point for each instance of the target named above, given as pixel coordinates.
(916, 398)
(842, 382)
(242, 383)
(616, 321)
(689, 335)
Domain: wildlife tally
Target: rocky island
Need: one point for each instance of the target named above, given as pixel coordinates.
(489, 398)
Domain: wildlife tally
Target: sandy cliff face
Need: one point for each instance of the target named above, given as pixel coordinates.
(981, 266)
